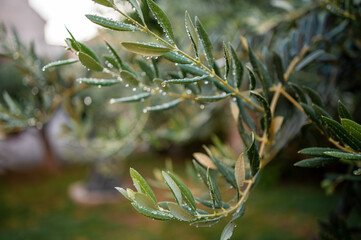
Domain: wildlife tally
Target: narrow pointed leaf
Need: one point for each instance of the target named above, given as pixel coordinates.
(146, 49)
(310, 58)
(206, 222)
(197, 71)
(144, 65)
(159, 215)
(252, 79)
(176, 58)
(228, 231)
(124, 193)
(253, 156)
(277, 63)
(212, 98)
(207, 45)
(106, 3)
(111, 62)
(90, 62)
(341, 134)
(228, 59)
(352, 128)
(300, 94)
(164, 106)
(88, 51)
(317, 151)
(141, 185)
(129, 78)
(344, 155)
(180, 213)
(12, 104)
(137, 8)
(316, 162)
(204, 160)
(314, 96)
(186, 193)
(117, 58)
(59, 63)
(239, 212)
(98, 82)
(112, 24)
(134, 98)
(342, 111)
(226, 172)
(186, 80)
(213, 191)
(237, 67)
(211, 205)
(240, 171)
(201, 172)
(173, 187)
(162, 19)
(267, 109)
(192, 33)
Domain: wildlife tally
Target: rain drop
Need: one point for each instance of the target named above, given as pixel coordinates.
(134, 89)
(88, 100)
(201, 106)
(127, 85)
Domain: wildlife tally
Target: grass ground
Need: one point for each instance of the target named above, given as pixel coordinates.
(36, 206)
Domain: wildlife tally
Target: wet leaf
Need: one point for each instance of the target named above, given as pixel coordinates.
(237, 67)
(180, 213)
(204, 160)
(240, 171)
(129, 78)
(173, 187)
(192, 33)
(141, 185)
(112, 24)
(317, 151)
(186, 80)
(352, 128)
(137, 8)
(164, 106)
(342, 111)
(98, 82)
(207, 45)
(106, 3)
(212, 98)
(133, 98)
(176, 58)
(146, 49)
(162, 19)
(213, 191)
(59, 63)
(90, 62)
(124, 193)
(159, 215)
(344, 155)
(253, 156)
(316, 162)
(228, 231)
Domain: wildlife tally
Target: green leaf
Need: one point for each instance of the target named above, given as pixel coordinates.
(228, 231)
(210, 204)
(192, 33)
(213, 191)
(155, 67)
(277, 63)
(240, 171)
(310, 58)
(213, 98)
(12, 104)
(194, 70)
(159, 215)
(90, 62)
(129, 78)
(98, 82)
(267, 109)
(106, 3)
(141, 185)
(237, 67)
(352, 128)
(164, 106)
(112, 61)
(253, 156)
(124, 193)
(146, 68)
(186, 193)
(146, 49)
(137, 8)
(226, 172)
(228, 59)
(117, 58)
(74, 43)
(173, 187)
(209, 222)
(186, 80)
(134, 98)
(314, 96)
(341, 134)
(176, 58)
(252, 79)
(88, 51)
(112, 24)
(207, 45)
(342, 111)
(320, 111)
(344, 155)
(317, 151)
(316, 162)
(204, 160)
(300, 94)
(59, 63)
(180, 213)
(261, 72)
(239, 212)
(162, 19)
(144, 201)
(201, 172)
